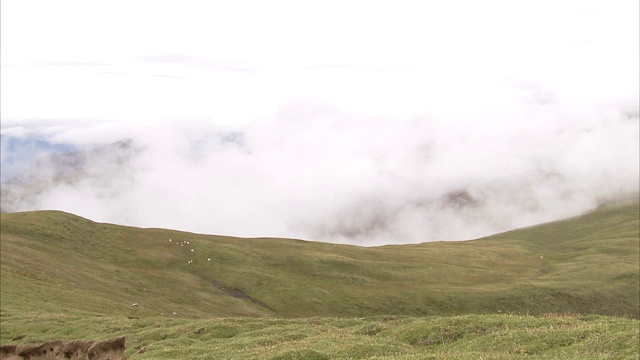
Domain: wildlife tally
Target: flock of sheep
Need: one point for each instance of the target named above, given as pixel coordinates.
(183, 243)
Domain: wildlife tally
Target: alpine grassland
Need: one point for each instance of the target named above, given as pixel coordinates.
(568, 289)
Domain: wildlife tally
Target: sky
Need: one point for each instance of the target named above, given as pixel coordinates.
(363, 122)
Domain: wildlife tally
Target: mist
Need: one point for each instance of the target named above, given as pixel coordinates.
(426, 129)
(316, 171)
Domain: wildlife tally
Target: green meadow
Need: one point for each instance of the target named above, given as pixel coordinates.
(563, 290)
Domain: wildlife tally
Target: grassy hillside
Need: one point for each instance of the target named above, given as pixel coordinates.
(61, 263)
(383, 337)
(65, 277)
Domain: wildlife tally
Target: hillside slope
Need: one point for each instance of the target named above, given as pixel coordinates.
(55, 262)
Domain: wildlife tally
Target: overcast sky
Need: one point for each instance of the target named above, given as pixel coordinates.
(358, 117)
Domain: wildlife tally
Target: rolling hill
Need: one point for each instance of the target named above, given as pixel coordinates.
(61, 263)
(567, 289)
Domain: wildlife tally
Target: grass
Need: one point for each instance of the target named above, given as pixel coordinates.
(385, 337)
(65, 277)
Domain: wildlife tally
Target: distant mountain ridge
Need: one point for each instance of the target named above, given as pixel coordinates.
(63, 168)
(19, 152)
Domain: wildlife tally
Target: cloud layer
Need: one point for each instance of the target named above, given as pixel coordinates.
(317, 171)
(357, 122)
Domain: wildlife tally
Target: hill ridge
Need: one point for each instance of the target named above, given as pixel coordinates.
(61, 262)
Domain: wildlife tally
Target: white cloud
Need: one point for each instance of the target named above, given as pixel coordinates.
(317, 172)
(360, 122)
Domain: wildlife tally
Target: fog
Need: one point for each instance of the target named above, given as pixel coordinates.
(493, 124)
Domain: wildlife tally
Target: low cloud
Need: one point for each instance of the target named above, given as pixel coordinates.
(397, 123)
(322, 172)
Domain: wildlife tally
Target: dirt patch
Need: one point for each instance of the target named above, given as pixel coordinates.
(48, 350)
(77, 349)
(8, 352)
(108, 350)
(74, 350)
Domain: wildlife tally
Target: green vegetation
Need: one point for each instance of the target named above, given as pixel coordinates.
(65, 277)
(384, 337)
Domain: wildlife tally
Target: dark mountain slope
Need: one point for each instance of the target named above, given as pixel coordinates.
(101, 164)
